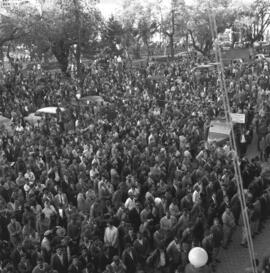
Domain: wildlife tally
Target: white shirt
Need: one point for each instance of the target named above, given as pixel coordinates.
(45, 244)
(49, 211)
(30, 175)
(195, 197)
(130, 203)
(151, 139)
(111, 236)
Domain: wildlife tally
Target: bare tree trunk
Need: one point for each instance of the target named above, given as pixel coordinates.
(61, 52)
(172, 45)
(11, 59)
(148, 52)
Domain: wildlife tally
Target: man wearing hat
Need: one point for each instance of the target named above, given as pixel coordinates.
(75, 265)
(59, 260)
(129, 258)
(46, 245)
(41, 266)
(117, 265)
(15, 231)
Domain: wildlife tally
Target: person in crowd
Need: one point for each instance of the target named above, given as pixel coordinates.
(228, 226)
(132, 183)
(59, 260)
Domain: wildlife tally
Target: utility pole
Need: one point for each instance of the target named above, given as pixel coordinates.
(173, 28)
(236, 161)
(78, 49)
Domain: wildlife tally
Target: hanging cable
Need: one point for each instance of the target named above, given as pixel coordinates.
(236, 162)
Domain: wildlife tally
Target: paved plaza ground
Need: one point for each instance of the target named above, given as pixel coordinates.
(236, 258)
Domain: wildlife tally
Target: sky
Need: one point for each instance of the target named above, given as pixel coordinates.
(109, 7)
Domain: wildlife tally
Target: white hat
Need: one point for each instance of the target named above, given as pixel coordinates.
(94, 161)
(47, 232)
(26, 187)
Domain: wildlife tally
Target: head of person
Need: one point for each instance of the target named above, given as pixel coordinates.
(75, 260)
(116, 260)
(216, 221)
(110, 224)
(13, 219)
(40, 262)
(59, 250)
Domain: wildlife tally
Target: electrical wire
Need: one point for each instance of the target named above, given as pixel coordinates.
(236, 162)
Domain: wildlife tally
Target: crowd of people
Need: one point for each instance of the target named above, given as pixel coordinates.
(133, 185)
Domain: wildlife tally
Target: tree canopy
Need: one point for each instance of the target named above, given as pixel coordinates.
(199, 23)
(253, 20)
(74, 23)
(54, 29)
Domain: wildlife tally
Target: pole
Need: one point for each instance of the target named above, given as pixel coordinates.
(173, 28)
(78, 51)
(233, 145)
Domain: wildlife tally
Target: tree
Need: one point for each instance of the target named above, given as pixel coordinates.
(111, 36)
(140, 24)
(254, 20)
(9, 30)
(56, 29)
(146, 29)
(174, 22)
(198, 25)
(12, 28)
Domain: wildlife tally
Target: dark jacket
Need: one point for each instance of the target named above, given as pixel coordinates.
(130, 261)
(58, 265)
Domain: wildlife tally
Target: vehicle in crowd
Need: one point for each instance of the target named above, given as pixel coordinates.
(184, 54)
(259, 57)
(219, 131)
(205, 67)
(238, 61)
(239, 45)
(226, 45)
(40, 114)
(94, 99)
(91, 99)
(6, 124)
(163, 58)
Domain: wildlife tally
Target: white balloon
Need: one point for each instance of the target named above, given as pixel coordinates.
(197, 257)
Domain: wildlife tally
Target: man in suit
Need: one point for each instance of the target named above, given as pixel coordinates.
(59, 260)
(129, 259)
(75, 265)
(60, 199)
(15, 231)
(134, 217)
(173, 252)
(228, 221)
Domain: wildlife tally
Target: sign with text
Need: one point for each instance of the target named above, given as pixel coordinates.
(238, 118)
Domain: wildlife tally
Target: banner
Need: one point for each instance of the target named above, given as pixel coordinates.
(238, 118)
